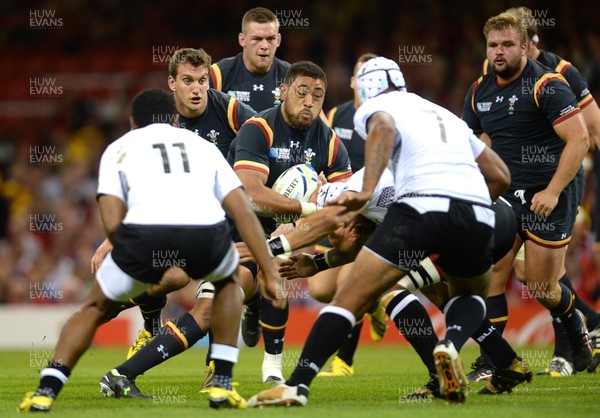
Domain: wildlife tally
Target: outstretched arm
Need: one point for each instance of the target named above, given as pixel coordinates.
(306, 265)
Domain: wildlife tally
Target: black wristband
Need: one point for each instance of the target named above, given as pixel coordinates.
(276, 246)
(321, 262)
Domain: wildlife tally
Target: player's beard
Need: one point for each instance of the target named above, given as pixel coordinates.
(296, 121)
(509, 70)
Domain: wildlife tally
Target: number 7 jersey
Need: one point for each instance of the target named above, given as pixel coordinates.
(432, 152)
(166, 176)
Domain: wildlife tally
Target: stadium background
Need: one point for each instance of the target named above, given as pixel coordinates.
(70, 68)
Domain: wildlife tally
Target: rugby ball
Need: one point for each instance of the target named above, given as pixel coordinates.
(298, 182)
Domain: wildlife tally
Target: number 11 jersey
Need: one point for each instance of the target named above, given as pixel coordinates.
(166, 176)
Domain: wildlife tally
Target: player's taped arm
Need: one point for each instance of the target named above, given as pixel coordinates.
(306, 265)
(278, 246)
(333, 258)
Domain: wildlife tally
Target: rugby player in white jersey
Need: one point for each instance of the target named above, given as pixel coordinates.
(156, 225)
(442, 206)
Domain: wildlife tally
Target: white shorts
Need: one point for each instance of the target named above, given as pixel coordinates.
(226, 267)
(116, 284)
(119, 286)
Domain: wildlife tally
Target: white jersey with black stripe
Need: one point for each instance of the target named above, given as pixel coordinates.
(433, 153)
(383, 195)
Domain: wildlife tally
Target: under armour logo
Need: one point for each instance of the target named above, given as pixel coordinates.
(294, 144)
(499, 99)
(161, 349)
(521, 195)
(257, 87)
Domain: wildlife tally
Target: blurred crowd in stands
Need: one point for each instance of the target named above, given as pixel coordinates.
(70, 68)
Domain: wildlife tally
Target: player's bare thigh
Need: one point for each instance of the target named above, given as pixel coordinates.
(322, 286)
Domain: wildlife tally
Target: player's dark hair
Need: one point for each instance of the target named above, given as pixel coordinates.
(196, 57)
(526, 15)
(153, 106)
(506, 21)
(259, 15)
(305, 69)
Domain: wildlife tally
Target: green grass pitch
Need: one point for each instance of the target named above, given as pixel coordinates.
(382, 375)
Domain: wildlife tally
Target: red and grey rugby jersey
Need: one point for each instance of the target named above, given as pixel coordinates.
(259, 91)
(220, 121)
(576, 80)
(519, 118)
(341, 120)
(267, 144)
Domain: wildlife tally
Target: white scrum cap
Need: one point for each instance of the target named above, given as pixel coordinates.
(377, 75)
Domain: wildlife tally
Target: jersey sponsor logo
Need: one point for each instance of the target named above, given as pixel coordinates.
(276, 96)
(499, 99)
(258, 87)
(484, 106)
(511, 104)
(343, 133)
(566, 110)
(213, 136)
(243, 96)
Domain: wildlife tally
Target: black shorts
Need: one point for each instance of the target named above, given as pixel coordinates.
(237, 237)
(463, 243)
(505, 230)
(145, 252)
(552, 231)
